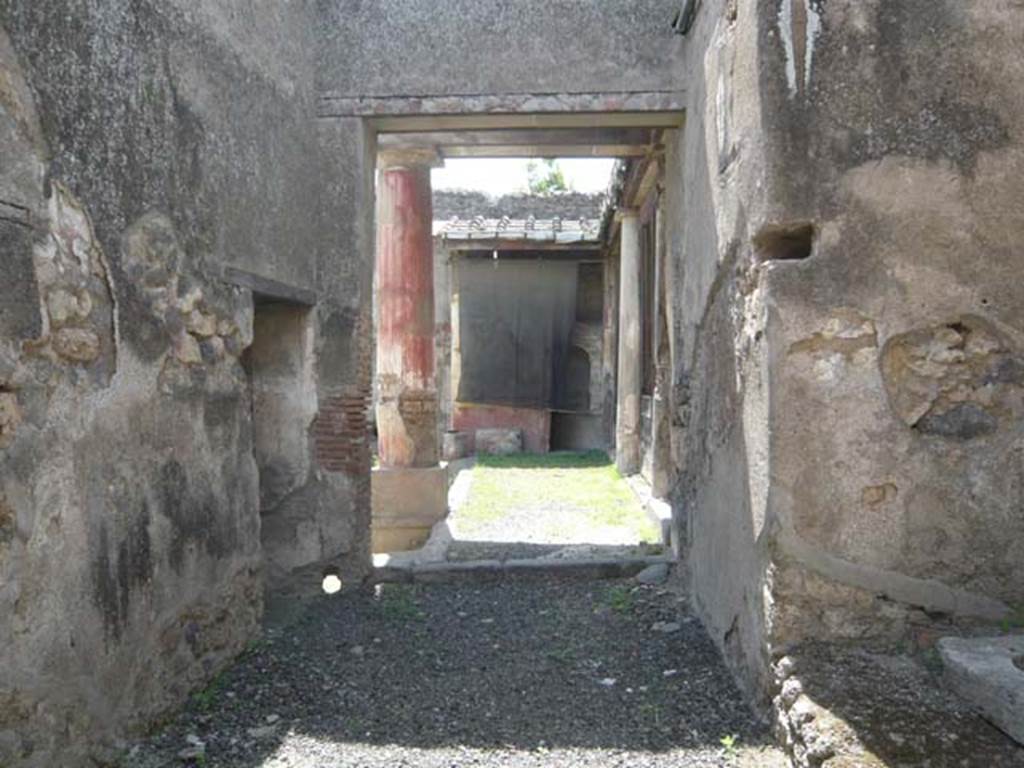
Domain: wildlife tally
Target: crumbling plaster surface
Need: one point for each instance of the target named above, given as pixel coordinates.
(149, 150)
(848, 426)
(714, 170)
(896, 348)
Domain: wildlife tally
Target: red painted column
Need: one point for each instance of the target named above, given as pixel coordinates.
(406, 385)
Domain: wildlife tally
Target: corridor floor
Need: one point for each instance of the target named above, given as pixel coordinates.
(505, 673)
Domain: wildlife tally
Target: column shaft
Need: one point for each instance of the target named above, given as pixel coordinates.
(628, 384)
(406, 386)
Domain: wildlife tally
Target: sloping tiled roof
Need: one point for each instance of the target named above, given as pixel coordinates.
(554, 230)
(469, 204)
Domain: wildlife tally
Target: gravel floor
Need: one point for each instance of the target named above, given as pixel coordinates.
(499, 674)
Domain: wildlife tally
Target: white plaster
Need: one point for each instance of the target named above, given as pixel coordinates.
(813, 30)
(786, 32)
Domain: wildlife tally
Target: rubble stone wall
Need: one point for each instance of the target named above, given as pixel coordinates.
(846, 335)
(146, 146)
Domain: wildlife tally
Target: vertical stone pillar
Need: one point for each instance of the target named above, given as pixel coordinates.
(628, 383)
(406, 383)
(410, 487)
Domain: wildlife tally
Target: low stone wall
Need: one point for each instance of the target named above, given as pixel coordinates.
(535, 424)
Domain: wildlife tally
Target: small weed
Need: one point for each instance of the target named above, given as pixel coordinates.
(620, 599)
(931, 659)
(1015, 620)
(729, 743)
(253, 648)
(651, 712)
(398, 603)
(204, 699)
(563, 655)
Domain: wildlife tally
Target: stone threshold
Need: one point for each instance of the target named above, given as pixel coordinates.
(490, 570)
(658, 511)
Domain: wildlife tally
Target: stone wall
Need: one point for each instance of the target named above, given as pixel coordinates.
(718, 403)
(467, 48)
(146, 147)
(898, 367)
(846, 337)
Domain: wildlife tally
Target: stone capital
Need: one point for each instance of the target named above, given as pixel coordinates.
(626, 213)
(398, 158)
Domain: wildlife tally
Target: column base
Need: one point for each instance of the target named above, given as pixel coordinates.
(406, 504)
(627, 454)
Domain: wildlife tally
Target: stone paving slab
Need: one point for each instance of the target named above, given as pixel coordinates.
(989, 673)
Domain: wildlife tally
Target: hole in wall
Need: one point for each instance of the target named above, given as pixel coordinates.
(1018, 662)
(960, 329)
(784, 242)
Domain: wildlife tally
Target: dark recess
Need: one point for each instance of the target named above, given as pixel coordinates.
(784, 242)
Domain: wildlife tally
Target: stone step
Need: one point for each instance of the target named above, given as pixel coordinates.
(490, 570)
(989, 673)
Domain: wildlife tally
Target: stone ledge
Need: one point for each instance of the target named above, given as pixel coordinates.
(989, 673)
(472, 570)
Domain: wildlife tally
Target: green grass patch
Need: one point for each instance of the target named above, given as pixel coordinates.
(206, 698)
(620, 598)
(1014, 621)
(397, 602)
(586, 485)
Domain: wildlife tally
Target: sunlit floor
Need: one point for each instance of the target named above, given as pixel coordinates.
(546, 504)
(540, 673)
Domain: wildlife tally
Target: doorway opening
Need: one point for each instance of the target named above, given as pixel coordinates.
(279, 365)
(523, 371)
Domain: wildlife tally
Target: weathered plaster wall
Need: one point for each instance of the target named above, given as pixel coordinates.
(469, 47)
(717, 406)
(144, 147)
(846, 329)
(897, 437)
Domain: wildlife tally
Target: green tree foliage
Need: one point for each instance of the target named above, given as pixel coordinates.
(546, 178)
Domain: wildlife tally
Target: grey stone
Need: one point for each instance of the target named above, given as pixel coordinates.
(262, 732)
(653, 574)
(666, 627)
(987, 671)
(499, 441)
(455, 445)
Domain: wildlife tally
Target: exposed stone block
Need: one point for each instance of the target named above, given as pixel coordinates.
(499, 441)
(958, 380)
(77, 344)
(455, 445)
(989, 673)
(10, 417)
